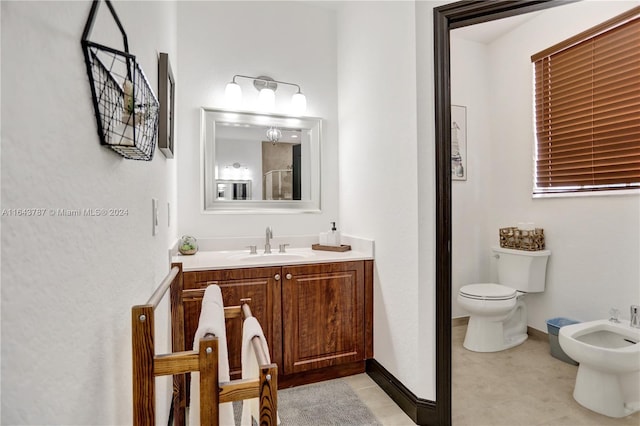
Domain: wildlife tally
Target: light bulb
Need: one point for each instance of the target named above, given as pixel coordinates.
(233, 95)
(267, 99)
(299, 103)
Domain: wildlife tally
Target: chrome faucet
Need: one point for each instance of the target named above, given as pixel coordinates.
(635, 316)
(269, 236)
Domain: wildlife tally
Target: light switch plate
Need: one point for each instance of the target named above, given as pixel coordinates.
(154, 216)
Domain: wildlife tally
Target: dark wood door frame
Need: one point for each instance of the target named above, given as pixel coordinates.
(445, 18)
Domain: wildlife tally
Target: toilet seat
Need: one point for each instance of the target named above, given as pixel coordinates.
(488, 291)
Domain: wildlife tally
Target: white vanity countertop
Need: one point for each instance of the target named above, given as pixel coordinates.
(211, 257)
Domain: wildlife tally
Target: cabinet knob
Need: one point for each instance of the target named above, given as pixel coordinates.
(276, 277)
(289, 276)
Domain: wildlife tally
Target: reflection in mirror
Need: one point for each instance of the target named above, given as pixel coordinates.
(260, 162)
(233, 189)
(280, 170)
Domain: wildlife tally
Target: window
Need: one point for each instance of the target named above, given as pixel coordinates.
(587, 109)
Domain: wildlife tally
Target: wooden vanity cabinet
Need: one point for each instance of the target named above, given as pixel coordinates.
(317, 318)
(261, 285)
(323, 315)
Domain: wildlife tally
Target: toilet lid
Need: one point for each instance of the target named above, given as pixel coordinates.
(488, 292)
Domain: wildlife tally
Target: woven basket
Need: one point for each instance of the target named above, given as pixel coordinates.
(522, 239)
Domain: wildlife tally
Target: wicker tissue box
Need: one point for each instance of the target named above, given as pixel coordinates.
(522, 239)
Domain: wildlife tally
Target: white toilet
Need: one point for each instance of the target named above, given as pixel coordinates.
(498, 315)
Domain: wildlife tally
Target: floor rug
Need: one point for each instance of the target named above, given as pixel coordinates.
(329, 403)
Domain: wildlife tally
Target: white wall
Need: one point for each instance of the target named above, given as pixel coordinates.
(68, 283)
(470, 198)
(425, 96)
(288, 41)
(595, 240)
(379, 199)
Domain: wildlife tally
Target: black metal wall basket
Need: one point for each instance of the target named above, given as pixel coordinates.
(125, 106)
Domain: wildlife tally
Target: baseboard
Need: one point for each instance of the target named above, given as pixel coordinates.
(532, 332)
(455, 322)
(421, 411)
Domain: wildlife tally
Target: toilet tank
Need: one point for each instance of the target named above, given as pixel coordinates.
(522, 270)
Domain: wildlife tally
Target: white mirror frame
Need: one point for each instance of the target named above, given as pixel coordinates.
(208, 119)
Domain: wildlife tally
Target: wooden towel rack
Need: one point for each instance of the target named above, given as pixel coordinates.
(147, 365)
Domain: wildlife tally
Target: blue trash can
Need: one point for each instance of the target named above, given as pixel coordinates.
(553, 327)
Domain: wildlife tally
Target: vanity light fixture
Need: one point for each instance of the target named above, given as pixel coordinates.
(235, 171)
(233, 94)
(299, 103)
(267, 99)
(267, 87)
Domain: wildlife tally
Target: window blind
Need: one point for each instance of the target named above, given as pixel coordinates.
(587, 109)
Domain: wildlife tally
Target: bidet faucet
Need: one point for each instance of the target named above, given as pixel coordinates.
(269, 236)
(635, 316)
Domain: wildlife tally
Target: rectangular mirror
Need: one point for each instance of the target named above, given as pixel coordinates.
(260, 162)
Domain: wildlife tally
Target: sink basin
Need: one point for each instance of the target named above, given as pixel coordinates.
(270, 258)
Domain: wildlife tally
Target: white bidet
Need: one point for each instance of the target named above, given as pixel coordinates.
(608, 380)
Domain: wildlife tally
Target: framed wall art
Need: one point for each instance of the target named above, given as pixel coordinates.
(458, 142)
(166, 92)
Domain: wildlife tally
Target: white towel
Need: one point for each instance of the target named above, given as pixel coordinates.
(211, 321)
(250, 369)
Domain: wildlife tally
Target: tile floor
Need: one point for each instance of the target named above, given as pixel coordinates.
(383, 407)
(524, 385)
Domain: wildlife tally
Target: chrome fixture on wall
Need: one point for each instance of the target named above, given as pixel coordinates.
(267, 87)
(273, 135)
(635, 316)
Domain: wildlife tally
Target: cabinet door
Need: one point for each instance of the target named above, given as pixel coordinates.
(261, 285)
(323, 317)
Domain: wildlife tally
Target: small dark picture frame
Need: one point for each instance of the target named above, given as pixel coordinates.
(166, 91)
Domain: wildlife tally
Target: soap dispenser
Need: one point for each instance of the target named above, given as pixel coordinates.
(333, 237)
